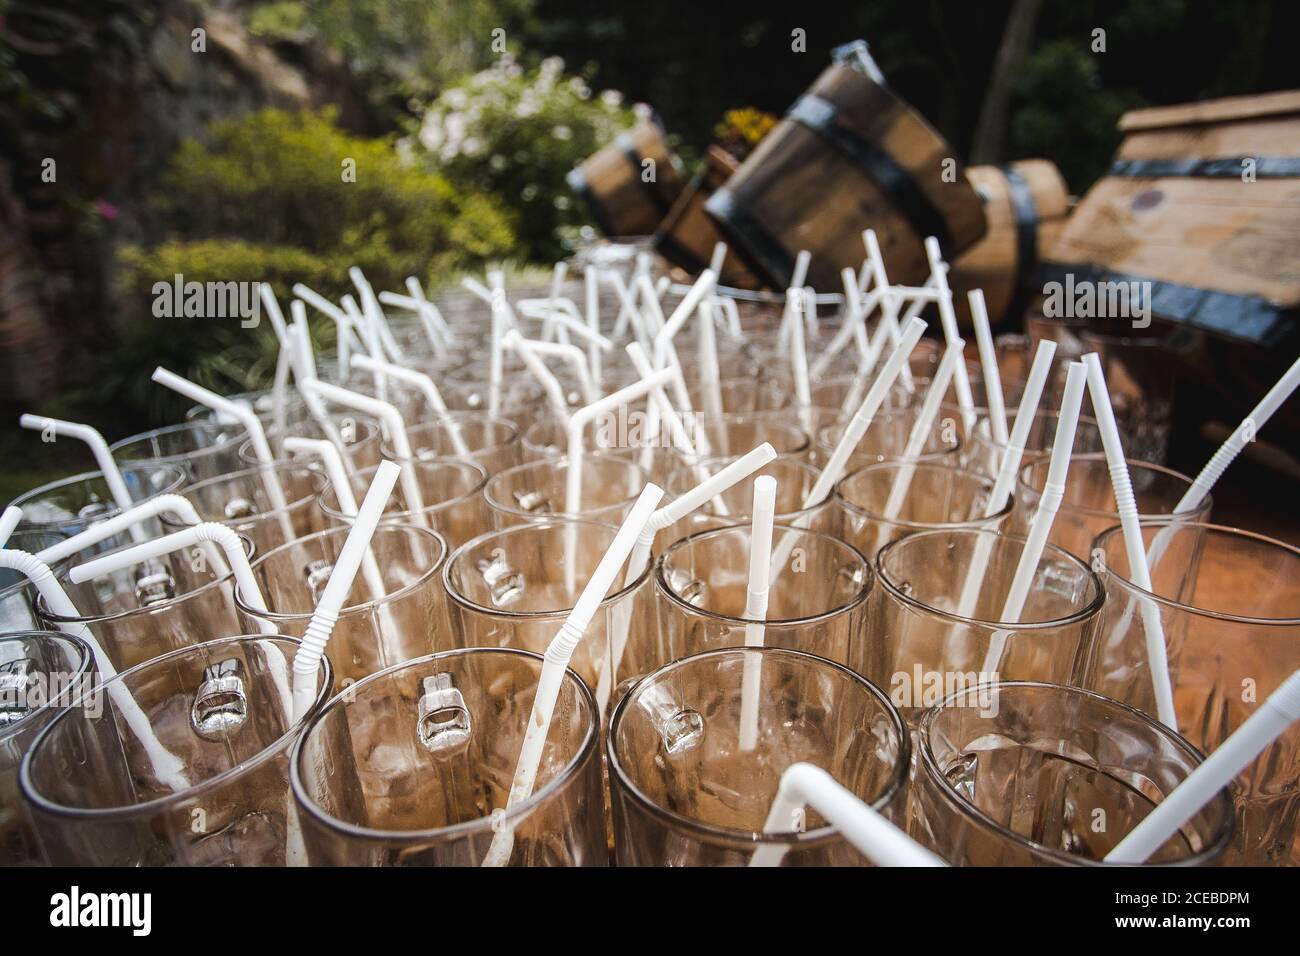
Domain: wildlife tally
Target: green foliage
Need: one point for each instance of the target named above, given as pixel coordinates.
(265, 200)
(516, 133)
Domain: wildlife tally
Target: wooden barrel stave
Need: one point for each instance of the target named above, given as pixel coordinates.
(613, 185)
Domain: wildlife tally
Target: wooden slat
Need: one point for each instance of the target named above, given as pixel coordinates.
(1211, 111)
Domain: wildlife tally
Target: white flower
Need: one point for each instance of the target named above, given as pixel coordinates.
(457, 99)
(643, 111)
(561, 202)
(562, 133)
(497, 162)
(529, 192)
(611, 98)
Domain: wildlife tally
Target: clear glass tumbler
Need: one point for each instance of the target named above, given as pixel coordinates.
(886, 440)
(412, 767)
(922, 650)
(984, 455)
(685, 793)
(610, 486)
(223, 708)
(491, 441)
(205, 448)
(1228, 603)
(1089, 508)
(71, 505)
(939, 496)
(41, 672)
(450, 492)
(404, 617)
(794, 480)
(1037, 774)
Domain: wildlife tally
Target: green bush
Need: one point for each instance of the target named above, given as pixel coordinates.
(266, 200)
(516, 133)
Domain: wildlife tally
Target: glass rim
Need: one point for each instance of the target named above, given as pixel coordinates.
(599, 458)
(662, 587)
(917, 464)
(325, 675)
(470, 415)
(1093, 607)
(85, 663)
(405, 517)
(190, 425)
(981, 434)
(1176, 525)
(161, 607)
(774, 417)
(948, 450)
(177, 481)
(247, 453)
(282, 465)
(516, 813)
(1041, 459)
(791, 838)
(935, 776)
(351, 609)
(558, 614)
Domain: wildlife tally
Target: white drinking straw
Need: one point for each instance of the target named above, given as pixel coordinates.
(424, 311)
(338, 476)
(304, 369)
(676, 429)
(176, 505)
(920, 432)
(989, 364)
(558, 654)
(205, 531)
(1126, 504)
(271, 305)
(424, 385)
(167, 768)
(427, 307)
(799, 357)
(99, 448)
(349, 335)
(8, 522)
(756, 594)
(710, 383)
(853, 327)
(948, 319)
(375, 313)
(861, 420)
(880, 841)
(252, 424)
(550, 384)
(478, 288)
(568, 323)
(891, 303)
(798, 279)
(1040, 527)
(392, 418)
(1278, 712)
(1008, 467)
(664, 354)
(498, 331)
(664, 517)
(307, 661)
(576, 359)
(591, 287)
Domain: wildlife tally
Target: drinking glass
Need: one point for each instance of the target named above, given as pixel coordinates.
(516, 586)
(224, 709)
(412, 767)
(922, 650)
(684, 793)
(359, 435)
(41, 672)
(522, 399)
(1140, 375)
(71, 505)
(241, 501)
(940, 496)
(794, 480)
(17, 596)
(493, 442)
(610, 486)
(817, 600)
(623, 433)
(1088, 507)
(205, 448)
(450, 490)
(886, 439)
(262, 402)
(1228, 604)
(984, 455)
(1034, 774)
(741, 395)
(374, 630)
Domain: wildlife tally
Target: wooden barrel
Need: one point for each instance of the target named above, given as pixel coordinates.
(1025, 205)
(631, 184)
(687, 235)
(847, 156)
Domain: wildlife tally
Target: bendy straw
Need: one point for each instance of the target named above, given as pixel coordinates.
(876, 838)
(392, 420)
(424, 385)
(374, 312)
(763, 517)
(167, 768)
(98, 447)
(948, 319)
(677, 431)
(252, 424)
(989, 366)
(558, 654)
(1278, 712)
(546, 378)
(591, 289)
(307, 660)
(1126, 504)
(1006, 477)
(664, 517)
(177, 506)
(1040, 526)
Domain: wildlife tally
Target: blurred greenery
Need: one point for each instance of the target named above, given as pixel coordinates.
(515, 133)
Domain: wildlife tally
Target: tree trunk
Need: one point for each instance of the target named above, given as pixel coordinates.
(991, 130)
